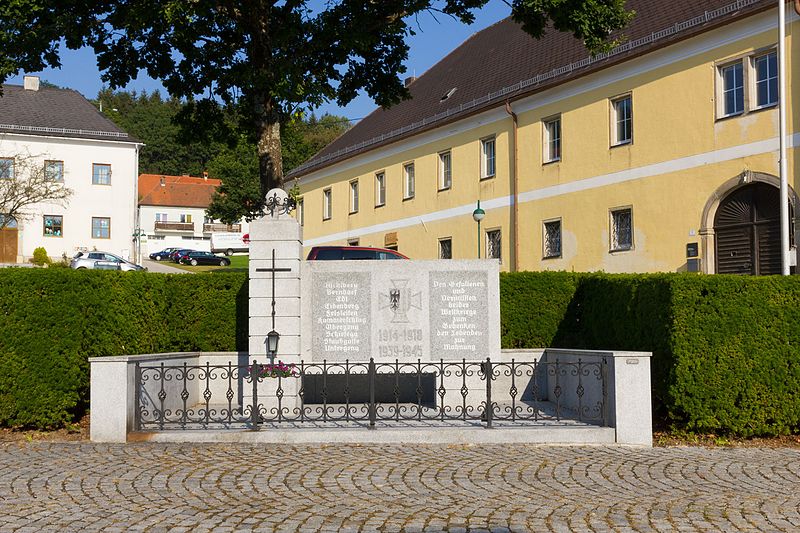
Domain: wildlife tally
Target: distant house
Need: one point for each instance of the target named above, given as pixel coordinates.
(75, 144)
(172, 212)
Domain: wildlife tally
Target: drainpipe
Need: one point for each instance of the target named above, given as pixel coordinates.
(514, 190)
(783, 97)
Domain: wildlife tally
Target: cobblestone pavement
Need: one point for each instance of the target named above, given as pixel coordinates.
(158, 487)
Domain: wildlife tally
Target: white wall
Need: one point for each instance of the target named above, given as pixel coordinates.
(116, 201)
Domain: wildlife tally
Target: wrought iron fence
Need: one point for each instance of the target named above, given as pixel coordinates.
(255, 395)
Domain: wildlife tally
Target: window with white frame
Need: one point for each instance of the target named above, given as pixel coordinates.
(732, 82)
(765, 74)
(552, 140)
(493, 244)
(54, 170)
(621, 229)
(326, 204)
(445, 170)
(446, 248)
(186, 218)
(53, 225)
(101, 174)
(6, 168)
(487, 158)
(551, 239)
(354, 196)
(408, 181)
(101, 228)
(621, 120)
(380, 189)
(161, 217)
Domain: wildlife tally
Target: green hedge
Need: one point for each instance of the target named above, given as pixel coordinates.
(726, 349)
(52, 320)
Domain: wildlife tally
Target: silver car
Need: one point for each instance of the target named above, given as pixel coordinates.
(102, 261)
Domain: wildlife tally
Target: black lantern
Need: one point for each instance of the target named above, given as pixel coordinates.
(272, 342)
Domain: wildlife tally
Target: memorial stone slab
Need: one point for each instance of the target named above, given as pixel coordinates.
(400, 310)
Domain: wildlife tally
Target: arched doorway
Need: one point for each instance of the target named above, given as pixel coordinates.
(747, 230)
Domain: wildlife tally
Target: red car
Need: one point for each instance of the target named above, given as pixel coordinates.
(337, 253)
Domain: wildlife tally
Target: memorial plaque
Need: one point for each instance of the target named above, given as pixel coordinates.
(400, 310)
(458, 314)
(341, 316)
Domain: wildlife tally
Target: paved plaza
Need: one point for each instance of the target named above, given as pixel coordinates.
(173, 487)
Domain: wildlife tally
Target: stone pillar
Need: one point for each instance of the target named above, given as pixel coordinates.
(280, 233)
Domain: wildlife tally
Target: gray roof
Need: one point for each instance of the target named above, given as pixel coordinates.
(502, 62)
(55, 112)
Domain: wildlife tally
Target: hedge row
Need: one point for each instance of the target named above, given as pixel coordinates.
(52, 320)
(726, 349)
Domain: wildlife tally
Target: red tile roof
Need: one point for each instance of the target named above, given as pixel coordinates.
(176, 191)
(503, 63)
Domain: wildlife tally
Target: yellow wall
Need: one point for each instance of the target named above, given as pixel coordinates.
(674, 119)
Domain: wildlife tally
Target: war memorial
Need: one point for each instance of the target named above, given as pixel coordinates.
(371, 351)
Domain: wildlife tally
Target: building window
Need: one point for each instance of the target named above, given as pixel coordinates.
(621, 120)
(54, 170)
(621, 229)
(101, 228)
(765, 68)
(6, 168)
(380, 189)
(552, 140)
(732, 77)
(445, 171)
(161, 217)
(8, 221)
(408, 181)
(301, 212)
(487, 158)
(186, 219)
(446, 248)
(326, 204)
(354, 196)
(352, 242)
(53, 225)
(101, 174)
(493, 244)
(552, 239)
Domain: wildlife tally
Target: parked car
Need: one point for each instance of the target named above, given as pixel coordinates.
(203, 258)
(102, 261)
(334, 253)
(178, 253)
(163, 254)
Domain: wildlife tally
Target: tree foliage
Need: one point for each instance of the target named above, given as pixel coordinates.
(267, 57)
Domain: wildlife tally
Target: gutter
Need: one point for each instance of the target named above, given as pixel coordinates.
(515, 189)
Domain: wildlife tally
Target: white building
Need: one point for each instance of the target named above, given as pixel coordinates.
(75, 144)
(172, 213)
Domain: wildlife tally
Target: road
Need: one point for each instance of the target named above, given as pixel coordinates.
(169, 487)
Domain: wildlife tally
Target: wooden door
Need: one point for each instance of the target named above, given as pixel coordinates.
(8, 245)
(747, 229)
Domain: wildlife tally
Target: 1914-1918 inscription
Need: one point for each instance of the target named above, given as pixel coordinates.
(458, 307)
(341, 316)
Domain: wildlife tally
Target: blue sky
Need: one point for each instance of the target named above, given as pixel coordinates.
(435, 38)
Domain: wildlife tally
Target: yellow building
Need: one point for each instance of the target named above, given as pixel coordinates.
(659, 156)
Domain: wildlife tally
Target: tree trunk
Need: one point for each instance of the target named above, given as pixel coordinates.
(268, 129)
